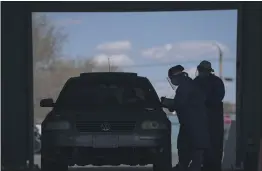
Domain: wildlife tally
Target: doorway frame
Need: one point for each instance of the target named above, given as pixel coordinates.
(19, 16)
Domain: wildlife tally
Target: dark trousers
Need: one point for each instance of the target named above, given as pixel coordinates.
(190, 160)
(184, 148)
(197, 160)
(213, 159)
(184, 157)
(213, 156)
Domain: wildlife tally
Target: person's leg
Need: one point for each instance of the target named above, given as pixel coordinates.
(217, 158)
(184, 156)
(184, 150)
(213, 157)
(208, 160)
(184, 159)
(197, 159)
(218, 148)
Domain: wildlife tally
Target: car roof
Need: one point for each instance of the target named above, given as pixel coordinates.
(129, 79)
(108, 77)
(108, 74)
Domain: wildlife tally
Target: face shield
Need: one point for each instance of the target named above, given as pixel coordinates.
(196, 73)
(174, 80)
(170, 83)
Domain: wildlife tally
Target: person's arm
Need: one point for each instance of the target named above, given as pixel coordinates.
(181, 97)
(218, 91)
(167, 103)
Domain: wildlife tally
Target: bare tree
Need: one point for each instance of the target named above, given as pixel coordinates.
(49, 82)
(48, 38)
(104, 67)
(48, 42)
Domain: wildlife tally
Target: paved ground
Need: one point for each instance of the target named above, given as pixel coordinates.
(112, 169)
(108, 168)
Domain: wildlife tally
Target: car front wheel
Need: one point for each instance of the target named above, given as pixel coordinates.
(47, 165)
(51, 162)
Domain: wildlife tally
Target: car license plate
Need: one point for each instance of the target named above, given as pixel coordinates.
(105, 141)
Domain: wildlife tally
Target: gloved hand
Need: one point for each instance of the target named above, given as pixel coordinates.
(166, 102)
(162, 99)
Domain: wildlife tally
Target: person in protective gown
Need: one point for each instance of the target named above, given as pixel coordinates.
(214, 89)
(189, 104)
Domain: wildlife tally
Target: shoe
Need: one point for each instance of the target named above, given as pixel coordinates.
(178, 168)
(194, 169)
(175, 168)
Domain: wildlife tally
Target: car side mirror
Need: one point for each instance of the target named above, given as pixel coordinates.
(47, 102)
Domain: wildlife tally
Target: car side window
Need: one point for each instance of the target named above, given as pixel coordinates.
(140, 93)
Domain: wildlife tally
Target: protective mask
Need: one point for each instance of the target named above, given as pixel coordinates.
(174, 81)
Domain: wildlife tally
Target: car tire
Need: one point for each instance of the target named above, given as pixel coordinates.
(47, 165)
(164, 161)
(52, 163)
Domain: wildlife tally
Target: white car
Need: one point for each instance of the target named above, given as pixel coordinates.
(37, 138)
(39, 129)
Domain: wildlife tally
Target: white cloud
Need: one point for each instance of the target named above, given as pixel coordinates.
(114, 46)
(116, 60)
(184, 50)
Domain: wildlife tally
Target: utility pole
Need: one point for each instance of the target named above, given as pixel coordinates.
(109, 67)
(220, 60)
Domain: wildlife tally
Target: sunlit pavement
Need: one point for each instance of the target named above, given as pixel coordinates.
(109, 168)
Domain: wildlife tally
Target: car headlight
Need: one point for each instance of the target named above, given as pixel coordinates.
(153, 125)
(60, 125)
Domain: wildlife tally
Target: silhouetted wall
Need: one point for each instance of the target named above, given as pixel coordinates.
(249, 84)
(16, 121)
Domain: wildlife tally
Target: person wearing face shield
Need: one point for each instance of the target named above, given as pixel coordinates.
(214, 89)
(189, 104)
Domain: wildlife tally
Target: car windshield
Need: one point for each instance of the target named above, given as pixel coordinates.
(114, 94)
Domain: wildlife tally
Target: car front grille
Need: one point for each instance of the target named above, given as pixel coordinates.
(102, 126)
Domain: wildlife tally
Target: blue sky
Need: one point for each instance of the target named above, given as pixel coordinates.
(149, 43)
